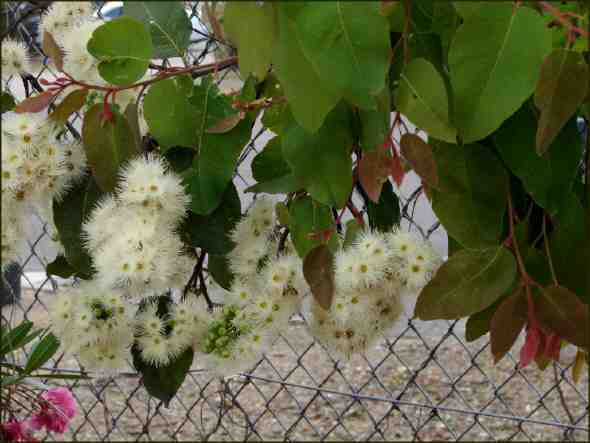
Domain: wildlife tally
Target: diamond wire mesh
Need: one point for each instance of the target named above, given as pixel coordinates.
(425, 383)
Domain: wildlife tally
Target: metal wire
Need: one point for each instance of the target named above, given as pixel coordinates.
(302, 391)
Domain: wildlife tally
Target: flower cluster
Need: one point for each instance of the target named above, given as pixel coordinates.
(37, 168)
(62, 17)
(53, 410)
(267, 290)
(377, 281)
(131, 235)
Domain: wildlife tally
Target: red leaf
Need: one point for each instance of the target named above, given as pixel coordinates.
(53, 51)
(373, 171)
(530, 348)
(397, 170)
(552, 346)
(36, 103)
(318, 270)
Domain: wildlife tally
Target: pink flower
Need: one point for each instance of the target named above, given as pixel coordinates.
(57, 410)
(16, 431)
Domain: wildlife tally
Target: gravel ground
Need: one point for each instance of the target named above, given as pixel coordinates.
(279, 399)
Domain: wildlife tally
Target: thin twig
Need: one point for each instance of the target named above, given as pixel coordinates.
(548, 251)
(561, 396)
(562, 20)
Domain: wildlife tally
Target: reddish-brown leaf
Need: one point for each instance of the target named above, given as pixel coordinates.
(374, 168)
(318, 270)
(53, 51)
(506, 324)
(397, 169)
(72, 103)
(562, 312)
(36, 103)
(227, 124)
(578, 366)
(419, 155)
(562, 86)
(531, 346)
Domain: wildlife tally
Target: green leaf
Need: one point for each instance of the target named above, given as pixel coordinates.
(132, 118)
(42, 352)
(506, 324)
(275, 117)
(468, 9)
(305, 217)
(562, 87)
(422, 97)
(281, 185)
(546, 177)
(171, 118)
(213, 167)
(494, 63)
(163, 382)
(468, 282)
(168, 23)
(8, 102)
(212, 232)
(318, 270)
(68, 214)
(218, 267)
(478, 324)
(108, 145)
(180, 159)
(419, 155)
(560, 311)
(252, 28)
(72, 103)
(471, 199)
(348, 46)
(15, 337)
(323, 160)
(375, 123)
(384, 214)
(60, 267)
(309, 103)
(212, 105)
(124, 48)
(569, 250)
(269, 163)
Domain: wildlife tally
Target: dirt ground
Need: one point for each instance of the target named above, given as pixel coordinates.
(299, 393)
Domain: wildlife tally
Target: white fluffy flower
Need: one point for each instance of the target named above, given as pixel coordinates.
(77, 61)
(147, 181)
(14, 58)
(62, 17)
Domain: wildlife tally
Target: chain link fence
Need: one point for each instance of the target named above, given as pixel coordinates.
(427, 383)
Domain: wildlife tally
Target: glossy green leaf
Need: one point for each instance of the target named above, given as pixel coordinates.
(347, 44)
(69, 214)
(252, 27)
(472, 194)
(269, 163)
(468, 282)
(309, 103)
(108, 145)
(546, 178)
(375, 123)
(171, 118)
(353, 229)
(60, 267)
(570, 257)
(560, 311)
(168, 23)
(213, 107)
(42, 352)
(14, 338)
(212, 232)
(384, 214)
(281, 185)
(213, 167)
(494, 63)
(306, 217)
(124, 48)
(322, 159)
(218, 267)
(163, 382)
(422, 97)
(562, 87)
(478, 324)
